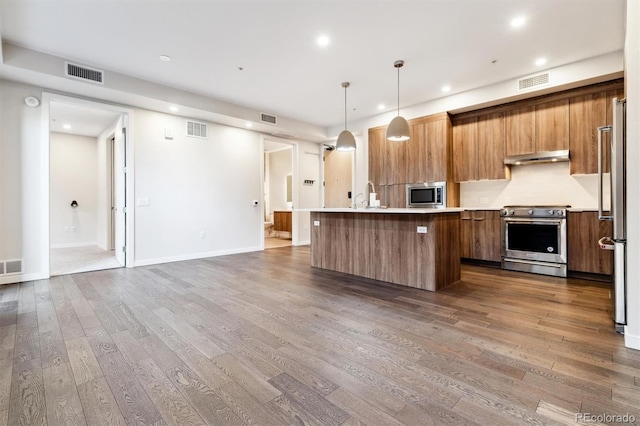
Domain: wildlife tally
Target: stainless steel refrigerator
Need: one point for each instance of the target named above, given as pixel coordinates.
(617, 213)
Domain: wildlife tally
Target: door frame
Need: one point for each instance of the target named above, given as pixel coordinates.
(295, 237)
(45, 225)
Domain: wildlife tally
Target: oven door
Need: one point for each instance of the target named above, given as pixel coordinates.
(541, 240)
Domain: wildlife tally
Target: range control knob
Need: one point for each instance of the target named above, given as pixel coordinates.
(550, 212)
(504, 212)
(559, 213)
(530, 211)
(512, 212)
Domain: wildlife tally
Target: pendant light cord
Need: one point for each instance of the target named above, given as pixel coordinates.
(345, 108)
(398, 68)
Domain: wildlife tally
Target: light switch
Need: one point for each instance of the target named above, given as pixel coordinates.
(168, 133)
(143, 202)
(422, 229)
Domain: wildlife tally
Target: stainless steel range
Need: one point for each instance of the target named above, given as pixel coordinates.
(534, 239)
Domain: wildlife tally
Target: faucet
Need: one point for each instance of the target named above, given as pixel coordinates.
(355, 200)
(370, 186)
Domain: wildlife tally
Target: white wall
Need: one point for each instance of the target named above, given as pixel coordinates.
(307, 167)
(194, 186)
(280, 165)
(538, 184)
(73, 175)
(632, 92)
(20, 179)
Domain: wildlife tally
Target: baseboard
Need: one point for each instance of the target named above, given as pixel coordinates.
(71, 245)
(303, 243)
(631, 341)
(181, 258)
(20, 278)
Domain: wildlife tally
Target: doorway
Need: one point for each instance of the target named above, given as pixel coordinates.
(87, 186)
(338, 177)
(278, 194)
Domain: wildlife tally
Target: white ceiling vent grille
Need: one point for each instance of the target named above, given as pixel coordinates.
(196, 129)
(83, 73)
(283, 135)
(10, 267)
(536, 80)
(268, 119)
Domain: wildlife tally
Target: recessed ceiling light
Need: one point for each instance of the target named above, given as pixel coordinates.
(541, 61)
(323, 41)
(518, 21)
(446, 89)
(248, 124)
(381, 107)
(173, 108)
(165, 58)
(66, 126)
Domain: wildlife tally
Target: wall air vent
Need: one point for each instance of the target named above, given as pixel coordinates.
(83, 73)
(11, 267)
(196, 129)
(536, 80)
(268, 119)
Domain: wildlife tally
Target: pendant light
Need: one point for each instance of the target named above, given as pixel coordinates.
(346, 141)
(398, 129)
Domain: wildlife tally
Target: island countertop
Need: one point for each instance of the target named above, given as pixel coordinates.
(382, 210)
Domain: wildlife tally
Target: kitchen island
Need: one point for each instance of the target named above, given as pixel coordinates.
(417, 248)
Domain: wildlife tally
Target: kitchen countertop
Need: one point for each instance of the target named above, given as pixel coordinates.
(383, 211)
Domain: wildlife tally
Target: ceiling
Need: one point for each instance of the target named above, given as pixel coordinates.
(262, 54)
(78, 120)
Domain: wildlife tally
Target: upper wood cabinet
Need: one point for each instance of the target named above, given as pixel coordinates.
(478, 145)
(465, 149)
(535, 128)
(377, 156)
(587, 113)
(521, 130)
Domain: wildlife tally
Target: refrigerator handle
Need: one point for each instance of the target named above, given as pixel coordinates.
(601, 130)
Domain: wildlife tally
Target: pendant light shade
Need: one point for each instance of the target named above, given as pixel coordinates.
(398, 129)
(346, 141)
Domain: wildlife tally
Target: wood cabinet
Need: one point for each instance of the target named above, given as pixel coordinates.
(480, 236)
(587, 113)
(425, 157)
(536, 128)
(478, 145)
(282, 221)
(583, 232)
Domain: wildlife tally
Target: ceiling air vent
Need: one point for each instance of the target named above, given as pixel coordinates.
(536, 80)
(196, 129)
(283, 135)
(268, 118)
(84, 73)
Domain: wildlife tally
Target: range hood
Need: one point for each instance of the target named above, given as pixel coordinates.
(538, 157)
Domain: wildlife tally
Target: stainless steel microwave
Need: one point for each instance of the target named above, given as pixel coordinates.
(427, 195)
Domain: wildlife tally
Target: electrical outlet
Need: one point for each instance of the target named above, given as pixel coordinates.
(74, 229)
(421, 229)
(203, 235)
(316, 223)
(143, 202)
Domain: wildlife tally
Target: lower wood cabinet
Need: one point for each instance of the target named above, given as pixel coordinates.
(480, 236)
(282, 221)
(584, 229)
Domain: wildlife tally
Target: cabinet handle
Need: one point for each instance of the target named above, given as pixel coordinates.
(478, 218)
(465, 218)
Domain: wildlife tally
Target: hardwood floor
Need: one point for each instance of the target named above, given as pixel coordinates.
(263, 338)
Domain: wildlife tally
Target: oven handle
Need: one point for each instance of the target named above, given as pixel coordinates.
(530, 262)
(601, 214)
(536, 221)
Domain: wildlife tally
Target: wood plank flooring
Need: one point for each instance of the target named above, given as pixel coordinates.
(262, 338)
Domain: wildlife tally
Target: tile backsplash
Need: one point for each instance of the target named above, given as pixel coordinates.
(536, 184)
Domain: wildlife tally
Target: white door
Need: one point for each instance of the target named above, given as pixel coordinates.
(120, 190)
